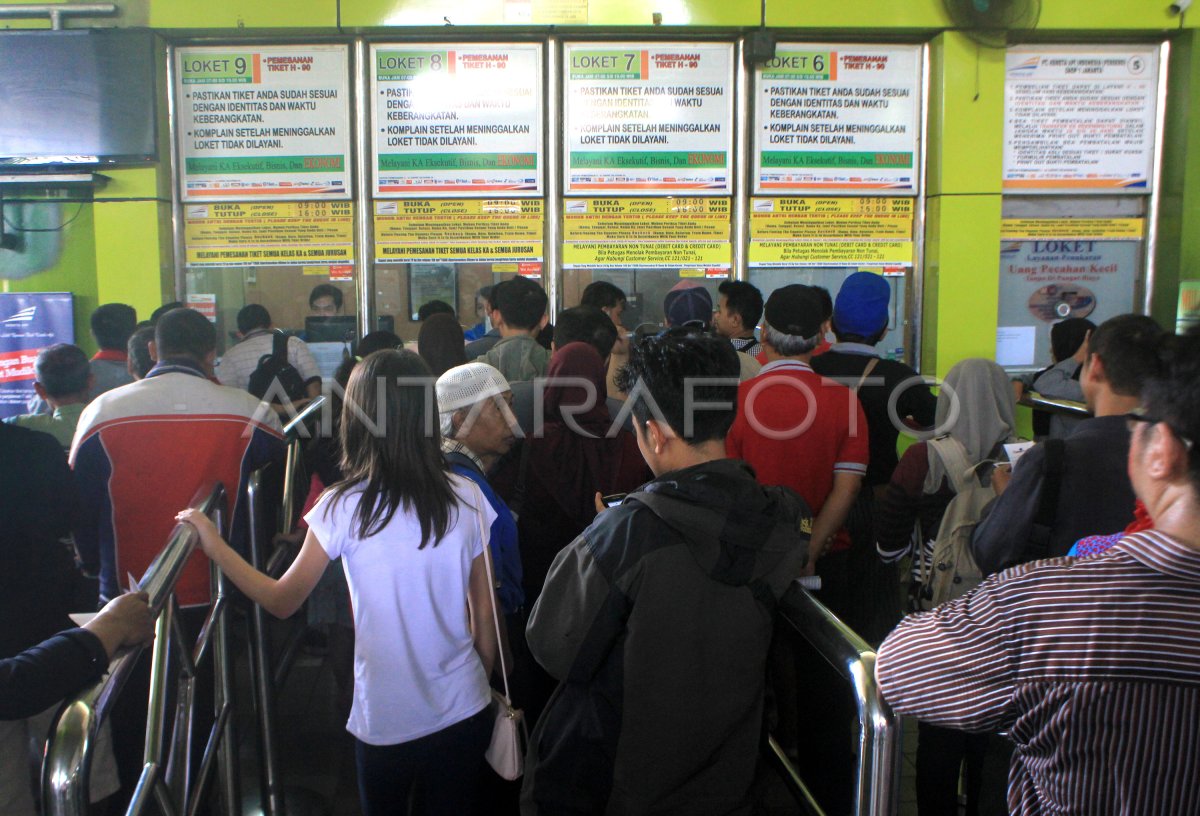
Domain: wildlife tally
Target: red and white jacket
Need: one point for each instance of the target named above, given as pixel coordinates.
(143, 451)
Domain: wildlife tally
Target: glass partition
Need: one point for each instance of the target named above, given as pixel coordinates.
(893, 345)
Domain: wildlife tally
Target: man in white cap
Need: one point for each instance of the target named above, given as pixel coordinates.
(474, 403)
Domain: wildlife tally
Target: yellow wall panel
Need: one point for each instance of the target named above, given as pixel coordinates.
(865, 14)
(74, 272)
(236, 14)
(389, 13)
(962, 280)
(966, 116)
(128, 253)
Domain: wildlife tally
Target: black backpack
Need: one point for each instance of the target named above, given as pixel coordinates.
(275, 367)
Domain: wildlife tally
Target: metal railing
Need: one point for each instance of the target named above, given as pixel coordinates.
(167, 779)
(1054, 406)
(261, 675)
(295, 432)
(877, 773)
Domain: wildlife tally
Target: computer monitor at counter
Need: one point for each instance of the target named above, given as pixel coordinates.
(332, 329)
(340, 328)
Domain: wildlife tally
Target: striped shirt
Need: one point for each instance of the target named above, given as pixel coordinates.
(1092, 665)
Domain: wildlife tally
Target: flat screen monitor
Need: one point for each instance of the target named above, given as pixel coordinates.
(76, 98)
(335, 329)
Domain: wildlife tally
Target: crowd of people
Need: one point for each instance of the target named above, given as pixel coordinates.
(614, 517)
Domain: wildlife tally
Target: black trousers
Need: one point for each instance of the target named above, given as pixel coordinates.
(444, 766)
(941, 753)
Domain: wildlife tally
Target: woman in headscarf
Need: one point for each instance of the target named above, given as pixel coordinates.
(975, 409)
(552, 481)
(440, 342)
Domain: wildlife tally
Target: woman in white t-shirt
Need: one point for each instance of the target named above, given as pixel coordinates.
(410, 539)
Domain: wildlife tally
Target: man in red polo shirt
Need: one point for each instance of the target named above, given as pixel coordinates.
(797, 428)
(800, 430)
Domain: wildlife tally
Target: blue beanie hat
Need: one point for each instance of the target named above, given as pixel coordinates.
(862, 303)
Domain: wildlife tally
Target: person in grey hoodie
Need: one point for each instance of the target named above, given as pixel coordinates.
(656, 621)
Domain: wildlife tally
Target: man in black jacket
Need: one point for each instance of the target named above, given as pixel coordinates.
(1063, 490)
(66, 663)
(657, 619)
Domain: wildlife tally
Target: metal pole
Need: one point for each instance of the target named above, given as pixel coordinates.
(877, 779)
(1160, 122)
(270, 785)
(914, 306)
(364, 194)
(178, 247)
(552, 272)
(56, 13)
(741, 165)
(65, 770)
(223, 693)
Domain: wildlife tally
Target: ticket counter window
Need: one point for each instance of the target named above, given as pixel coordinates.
(893, 346)
(402, 290)
(645, 290)
(1065, 257)
(290, 295)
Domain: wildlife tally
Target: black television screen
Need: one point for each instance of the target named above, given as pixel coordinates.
(76, 97)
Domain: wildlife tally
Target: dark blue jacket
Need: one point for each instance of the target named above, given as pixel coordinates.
(506, 557)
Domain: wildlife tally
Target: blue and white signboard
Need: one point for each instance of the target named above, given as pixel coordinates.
(29, 322)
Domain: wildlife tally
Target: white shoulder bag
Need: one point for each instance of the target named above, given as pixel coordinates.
(506, 752)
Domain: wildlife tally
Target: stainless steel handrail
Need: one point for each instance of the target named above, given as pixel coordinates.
(261, 674)
(877, 777)
(57, 13)
(1054, 406)
(67, 763)
(292, 429)
(295, 461)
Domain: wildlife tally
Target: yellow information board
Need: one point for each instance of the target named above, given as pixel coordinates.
(831, 219)
(831, 253)
(681, 255)
(845, 231)
(269, 233)
(646, 219)
(1073, 229)
(458, 230)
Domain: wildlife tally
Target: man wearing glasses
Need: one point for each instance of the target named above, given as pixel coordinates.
(1092, 665)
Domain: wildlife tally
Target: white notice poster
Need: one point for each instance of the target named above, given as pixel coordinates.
(838, 118)
(1079, 118)
(457, 119)
(263, 122)
(648, 118)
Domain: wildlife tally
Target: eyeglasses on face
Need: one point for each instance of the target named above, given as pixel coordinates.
(1139, 417)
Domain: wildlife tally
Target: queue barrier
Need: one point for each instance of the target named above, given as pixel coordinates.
(264, 679)
(1054, 406)
(878, 764)
(166, 776)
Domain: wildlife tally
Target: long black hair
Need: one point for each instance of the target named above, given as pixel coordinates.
(391, 446)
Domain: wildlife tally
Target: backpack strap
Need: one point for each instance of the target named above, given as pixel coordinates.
(874, 361)
(959, 468)
(279, 344)
(518, 498)
(1047, 510)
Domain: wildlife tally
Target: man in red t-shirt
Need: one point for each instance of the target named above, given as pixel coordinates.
(798, 429)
